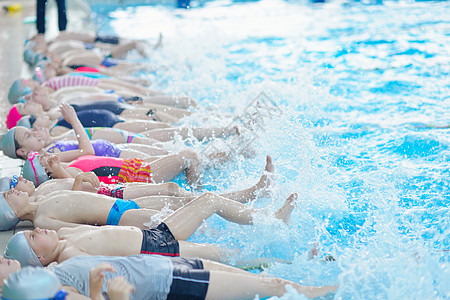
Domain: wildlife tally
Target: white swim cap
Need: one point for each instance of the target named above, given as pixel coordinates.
(32, 283)
(8, 218)
(19, 249)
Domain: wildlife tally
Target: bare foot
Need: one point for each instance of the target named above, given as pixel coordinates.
(284, 213)
(232, 129)
(141, 49)
(266, 178)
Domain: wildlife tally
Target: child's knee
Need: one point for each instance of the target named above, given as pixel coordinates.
(189, 154)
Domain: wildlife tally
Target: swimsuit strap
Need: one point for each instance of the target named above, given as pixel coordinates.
(127, 136)
(52, 148)
(91, 130)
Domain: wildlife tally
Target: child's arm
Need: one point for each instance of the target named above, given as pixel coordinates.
(84, 143)
(85, 177)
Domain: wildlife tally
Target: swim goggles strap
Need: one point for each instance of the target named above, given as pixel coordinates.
(14, 181)
(61, 295)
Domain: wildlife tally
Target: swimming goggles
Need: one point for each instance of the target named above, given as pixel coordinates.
(14, 181)
(27, 91)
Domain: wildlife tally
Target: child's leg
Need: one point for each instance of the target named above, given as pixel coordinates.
(118, 136)
(250, 194)
(159, 202)
(141, 218)
(119, 50)
(175, 101)
(168, 167)
(173, 111)
(62, 18)
(149, 150)
(140, 125)
(134, 190)
(211, 253)
(109, 134)
(230, 285)
(130, 153)
(167, 134)
(216, 266)
(185, 221)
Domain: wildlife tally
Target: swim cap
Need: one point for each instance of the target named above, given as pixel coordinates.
(28, 55)
(27, 121)
(37, 58)
(15, 91)
(7, 183)
(19, 249)
(32, 283)
(8, 218)
(13, 117)
(4, 184)
(33, 170)
(7, 143)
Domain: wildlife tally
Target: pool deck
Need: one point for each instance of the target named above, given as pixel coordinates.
(13, 33)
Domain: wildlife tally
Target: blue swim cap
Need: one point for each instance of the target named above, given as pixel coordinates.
(37, 58)
(33, 170)
(8, 218)
(28, 56)
(32, 283)
(15, 91)
(19, 249)
(7, 144)
(25, 122)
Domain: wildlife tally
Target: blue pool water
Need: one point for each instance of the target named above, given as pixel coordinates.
(363, 135)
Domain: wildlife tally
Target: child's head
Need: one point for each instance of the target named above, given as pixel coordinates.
(21, 87)
(9, 206)
(42, 96)
(20, 110)
(32, 283)
(35, 121)
(17, 182)
(19, 141)
(33, 248)
(7, 267)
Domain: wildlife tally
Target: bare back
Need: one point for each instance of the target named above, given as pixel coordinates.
(105, 240)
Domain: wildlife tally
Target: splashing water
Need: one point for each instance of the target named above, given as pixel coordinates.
(363, 134)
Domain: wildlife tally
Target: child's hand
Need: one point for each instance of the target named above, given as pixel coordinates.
(68, 113)
(53, 161)
(96, 276)
(90, 178)
(119, 289)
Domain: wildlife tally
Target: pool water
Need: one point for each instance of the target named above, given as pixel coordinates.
(362, 134)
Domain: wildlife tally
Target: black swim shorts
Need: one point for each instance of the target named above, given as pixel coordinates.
(190, 280)
(159, 241)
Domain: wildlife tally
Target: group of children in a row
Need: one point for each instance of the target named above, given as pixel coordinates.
(97, 176)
